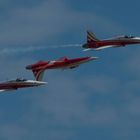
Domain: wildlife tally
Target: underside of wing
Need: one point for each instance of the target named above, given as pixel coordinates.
(105, 47)
(89, 49)
(3, 90)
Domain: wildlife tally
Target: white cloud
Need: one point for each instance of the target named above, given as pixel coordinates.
(12, 131)
(64, 102)
(63, 106)
(101, 84)
(67, 104)
(133, 107)
(47, 21)
(131, 64)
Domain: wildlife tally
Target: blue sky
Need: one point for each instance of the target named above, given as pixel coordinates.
(98, 100)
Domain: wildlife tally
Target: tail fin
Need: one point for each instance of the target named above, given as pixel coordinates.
(39, 73)
(91, 37)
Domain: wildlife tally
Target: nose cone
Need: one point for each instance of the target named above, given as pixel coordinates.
(93, 58)
(137, 38)
(42, 83)
(87, 59)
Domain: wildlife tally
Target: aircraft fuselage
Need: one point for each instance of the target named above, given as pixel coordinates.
(15, 84)
(61, 64)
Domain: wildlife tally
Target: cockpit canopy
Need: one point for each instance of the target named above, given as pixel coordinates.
(126, 36)
(16, 80)
(63, 58)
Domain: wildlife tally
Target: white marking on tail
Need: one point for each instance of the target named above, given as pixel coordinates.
(38, 74)
(91, 37)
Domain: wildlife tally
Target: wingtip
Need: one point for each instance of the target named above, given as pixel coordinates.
(85, 50)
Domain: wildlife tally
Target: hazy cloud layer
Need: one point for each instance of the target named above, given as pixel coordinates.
(45, 22)
(61, 111)
(91, 102)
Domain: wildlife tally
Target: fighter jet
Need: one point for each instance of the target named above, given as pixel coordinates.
(62, 63)
(95, 44)
(21, 83)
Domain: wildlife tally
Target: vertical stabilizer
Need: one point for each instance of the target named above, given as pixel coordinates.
(38, 74)
(91, 37)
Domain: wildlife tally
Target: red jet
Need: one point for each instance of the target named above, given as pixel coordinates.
(22, 83)
(19, 83)
(95, 44)
(62, 63)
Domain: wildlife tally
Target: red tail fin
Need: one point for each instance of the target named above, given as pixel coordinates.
(39, 73)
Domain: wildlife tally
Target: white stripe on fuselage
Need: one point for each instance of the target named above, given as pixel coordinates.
(28, 83)
(77, 63)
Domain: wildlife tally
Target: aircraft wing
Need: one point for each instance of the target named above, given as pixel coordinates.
(105, 47)
(3, 90)
(101, 48)
(89, 49)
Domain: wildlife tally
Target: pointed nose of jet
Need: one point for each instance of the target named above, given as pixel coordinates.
(42, 83)
(137, 38)
(90, 58)
(93, 58)
(39, 83)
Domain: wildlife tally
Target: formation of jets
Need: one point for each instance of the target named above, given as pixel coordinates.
(40, 67)
(38, 70)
